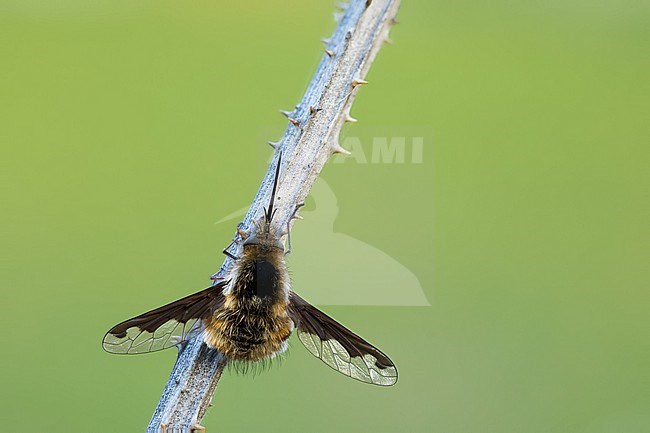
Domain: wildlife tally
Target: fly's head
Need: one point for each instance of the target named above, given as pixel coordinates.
(264, 238)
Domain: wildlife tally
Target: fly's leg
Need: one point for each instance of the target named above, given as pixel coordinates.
(294, 216)
(228, 253)
(243, 235)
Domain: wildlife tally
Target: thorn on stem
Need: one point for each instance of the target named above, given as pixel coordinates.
(350, 119)
(330, 53)
(286, 113)
(294, 121)
(273, 144)
(358, 81)
(337, 148)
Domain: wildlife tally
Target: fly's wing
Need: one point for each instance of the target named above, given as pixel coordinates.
(339, 347)
(166, 326)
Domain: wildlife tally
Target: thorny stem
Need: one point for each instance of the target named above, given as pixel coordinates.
(311, 137)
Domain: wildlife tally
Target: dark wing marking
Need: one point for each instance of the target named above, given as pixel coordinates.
(166, 326)
(339, 347)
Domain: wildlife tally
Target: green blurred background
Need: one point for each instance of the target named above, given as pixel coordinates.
(129, 128)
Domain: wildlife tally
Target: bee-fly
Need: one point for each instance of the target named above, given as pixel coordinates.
(249, 315)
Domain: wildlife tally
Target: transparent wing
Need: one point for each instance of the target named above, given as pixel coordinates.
(166, 326)
(339, 347)
(134, 340)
